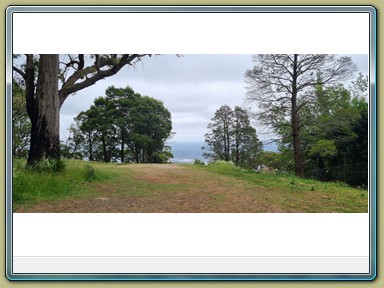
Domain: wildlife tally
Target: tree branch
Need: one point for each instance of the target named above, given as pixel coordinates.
(22, 74)
(70, 86)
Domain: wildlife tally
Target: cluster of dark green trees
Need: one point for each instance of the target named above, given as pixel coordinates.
(232, 138)
(334, 138)
(321, 126)
(122, 126)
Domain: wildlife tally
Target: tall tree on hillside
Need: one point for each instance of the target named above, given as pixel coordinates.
(121, 102)
(219, 139)
(41, 74)
(151, 126)
(246, 146)
(282, 84)
(231, 137)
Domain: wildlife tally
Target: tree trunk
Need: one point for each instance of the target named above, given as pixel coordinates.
(122, 148)
(105, 152)
(90, 153)
(44, 111)
(299, 166)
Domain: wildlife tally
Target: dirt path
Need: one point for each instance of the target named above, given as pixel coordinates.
(163, 188)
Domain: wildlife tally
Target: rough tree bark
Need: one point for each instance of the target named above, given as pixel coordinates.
(299, 166)
(44, 111)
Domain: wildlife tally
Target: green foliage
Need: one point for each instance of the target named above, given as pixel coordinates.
(163, 156)
(122, 127)
(282, 86)
(151, 126)
(21, 125)
(232, 138)
(273, 160)
(323, 148)
(90, 174)
(334, 134)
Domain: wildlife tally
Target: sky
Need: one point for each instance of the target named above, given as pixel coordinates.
(192, 88)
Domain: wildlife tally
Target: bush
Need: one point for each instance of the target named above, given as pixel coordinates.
(223, 163)
(89, 173)
(198, 162)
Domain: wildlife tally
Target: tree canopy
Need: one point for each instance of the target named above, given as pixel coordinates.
(123, 126)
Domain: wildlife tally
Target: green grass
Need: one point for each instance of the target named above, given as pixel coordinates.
(31, 186)
(292, 192)
(272, 192)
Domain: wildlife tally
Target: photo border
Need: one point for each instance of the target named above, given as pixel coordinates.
(197, 9)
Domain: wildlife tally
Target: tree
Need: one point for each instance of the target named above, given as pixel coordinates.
(335, 138)
(151, 126)
(41, 75)
(121, 101)
(345, 122)
(125, 126)
(232, 138)
(89, 136)
(219, 139)
(246, 145)
(282, 85)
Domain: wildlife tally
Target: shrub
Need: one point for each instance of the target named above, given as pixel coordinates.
(223, 163)
(198, 162)
(89, 173)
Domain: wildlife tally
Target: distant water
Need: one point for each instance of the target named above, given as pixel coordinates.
(186, 153)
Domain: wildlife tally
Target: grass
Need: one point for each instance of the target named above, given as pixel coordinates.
(218, 187)
(292, 192)
(31, 186)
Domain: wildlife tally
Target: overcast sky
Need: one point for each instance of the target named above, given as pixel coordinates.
(192, 88)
